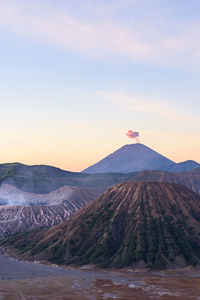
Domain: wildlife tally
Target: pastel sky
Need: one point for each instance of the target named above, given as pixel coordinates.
(75, 76)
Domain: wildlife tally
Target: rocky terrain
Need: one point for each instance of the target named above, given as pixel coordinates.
(190, 179)
(46, 210)
(10, 195)
(138, 224)
(195, 171)
(30, 199)
(33, 197)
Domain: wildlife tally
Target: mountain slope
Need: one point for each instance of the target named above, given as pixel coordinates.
(42, 210)
(42, 179)
(181, 167)
(22, 211)
(194, 171)
(130, 158)
(42, 196)
(191, 180)
(139, 224)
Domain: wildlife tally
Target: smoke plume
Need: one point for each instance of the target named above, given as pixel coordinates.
(133, 135)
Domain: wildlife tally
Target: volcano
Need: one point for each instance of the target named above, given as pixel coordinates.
(138, 224)
(130, 158)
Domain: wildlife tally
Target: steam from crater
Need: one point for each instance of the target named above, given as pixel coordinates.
(133, 135)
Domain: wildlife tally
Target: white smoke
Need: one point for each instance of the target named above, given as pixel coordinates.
(11, 195)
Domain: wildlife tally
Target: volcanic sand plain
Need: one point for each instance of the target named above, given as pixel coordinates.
(32, 281)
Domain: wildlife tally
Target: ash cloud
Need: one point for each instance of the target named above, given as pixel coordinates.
(133, 135)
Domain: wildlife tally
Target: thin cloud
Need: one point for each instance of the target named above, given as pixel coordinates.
(141, 104)
(64, 30)
(103, 35)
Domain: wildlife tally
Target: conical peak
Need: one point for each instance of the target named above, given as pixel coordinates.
(131, 223)
(130, 158)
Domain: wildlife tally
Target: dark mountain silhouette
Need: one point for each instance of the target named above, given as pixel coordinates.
(139, 224)
(130, 158)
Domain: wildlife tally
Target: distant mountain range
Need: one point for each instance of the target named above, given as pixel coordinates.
(33, 197)
(149, 219)
(187, 165)
(41, 179)
(137, 224)
(135, 158)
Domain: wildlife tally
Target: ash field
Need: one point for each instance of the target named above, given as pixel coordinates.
(25, 280)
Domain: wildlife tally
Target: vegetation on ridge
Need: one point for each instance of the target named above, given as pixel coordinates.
(154, 224)
(44, 179)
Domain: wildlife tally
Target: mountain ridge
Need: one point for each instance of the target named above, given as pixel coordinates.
(186, 165)
(129, 158)
(42, 179)
(136, 158)
(191, 180)
(146, 224)
(45, 211)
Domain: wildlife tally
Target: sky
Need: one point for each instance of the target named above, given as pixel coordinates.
(75, 76)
